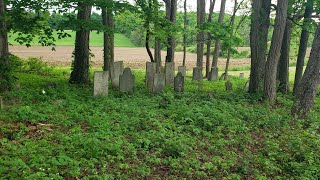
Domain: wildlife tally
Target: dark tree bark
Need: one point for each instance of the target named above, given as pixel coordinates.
(157, 53)
(260, 22)
(283, 68)
(308, 86)
(80, 72)
(185, 33)
(201, 8)
(171, 13)
(148, 46)
(212, 3)
(303, 44)
(108, 38)
(217, 43)
(274, 54)
(4, 50)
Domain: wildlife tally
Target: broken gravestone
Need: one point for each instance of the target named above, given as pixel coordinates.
(127, 81)
(158, 83)
(116, 71)
(150, 72)
(183, 70)
(101, 83)
(213, 74)
(169, 70)
(179, 83)
(197, 74)
(241, 76)
(228, 86)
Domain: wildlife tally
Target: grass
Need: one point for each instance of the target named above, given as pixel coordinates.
(96, 39)
(200, 134)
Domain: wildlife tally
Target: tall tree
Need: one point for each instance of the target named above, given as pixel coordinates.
(212, 3)
(108, 36)
(260, 22)
(171, 13)
(201, 9)
(308, 86)
(274, 53)
(80, 72)
(303, 44)
(185, 24)
(4, 51)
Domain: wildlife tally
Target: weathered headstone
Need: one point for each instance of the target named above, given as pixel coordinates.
(241, 76)
(150, 72)
(116, 71)
(101, 83)
(183, 70)
(169, 70)
(158, 83)
(127, 80)
(179, 83)
(1, 102)
(213, 75)
(228, 85)
(197, 74)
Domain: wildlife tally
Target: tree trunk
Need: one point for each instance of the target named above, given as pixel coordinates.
(308, 86)
(274, 54)
(80, 72)
(260, 22)
(157, 53)
(303, 44)
(283, 68)
(201, 9)
(212, 3)
(171, 12)
(217, 43)
(4, 50)
(185, 33)
(111, 34)
(148, 46)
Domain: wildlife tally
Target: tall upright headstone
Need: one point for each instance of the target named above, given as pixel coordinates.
(197, 74)
(228, 85)
(179, 83)
(1, 103)
(213, 75)
(101, 83)
(183, 70)
(169, 71)
(158, 83)
(116, 71)
(127, 80)
(151, 69)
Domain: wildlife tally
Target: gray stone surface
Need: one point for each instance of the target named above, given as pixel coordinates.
(1, 102)
(101, 83)
(116, 71)
(228, 86)
(127, 80)
(150, 72)
(197, 74)
(241, 76)
(183, 70)
(158, 83)
(169, 70)
(179, 83)
(213, 75)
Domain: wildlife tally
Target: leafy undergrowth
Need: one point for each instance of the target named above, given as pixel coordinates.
(66, 133)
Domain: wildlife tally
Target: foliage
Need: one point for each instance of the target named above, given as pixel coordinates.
(7, 68)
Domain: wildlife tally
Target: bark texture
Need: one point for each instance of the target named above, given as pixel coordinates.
(171, 13)
(108, 38)
(185, 33)
(4, 50)
(260, 22)
(274, 54)
(201, 9)
(80, 72)
(212, 3)
(308, 86)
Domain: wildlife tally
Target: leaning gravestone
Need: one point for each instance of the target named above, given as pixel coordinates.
(213, 75)
(101, 83)
(158, 83)
(116, 71)
(197, 74)
(151, 69)
(179, 83)
(183, 70)
(127, 81)
(228, 85)
(169, 70)
(241, 76)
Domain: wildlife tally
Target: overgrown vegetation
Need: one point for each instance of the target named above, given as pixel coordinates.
(51, 129)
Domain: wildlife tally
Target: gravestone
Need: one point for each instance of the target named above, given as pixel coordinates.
(150, 72)
(127, 80)
(116, 71)
(101, 83)
(159, 80)
(197, 74)
(183, 70)
(1, 103)
(241, 76)
(228, 85)
(213, 74)
(179, 83)
(169, 70)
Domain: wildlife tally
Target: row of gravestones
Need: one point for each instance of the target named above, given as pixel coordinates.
(156, 80)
